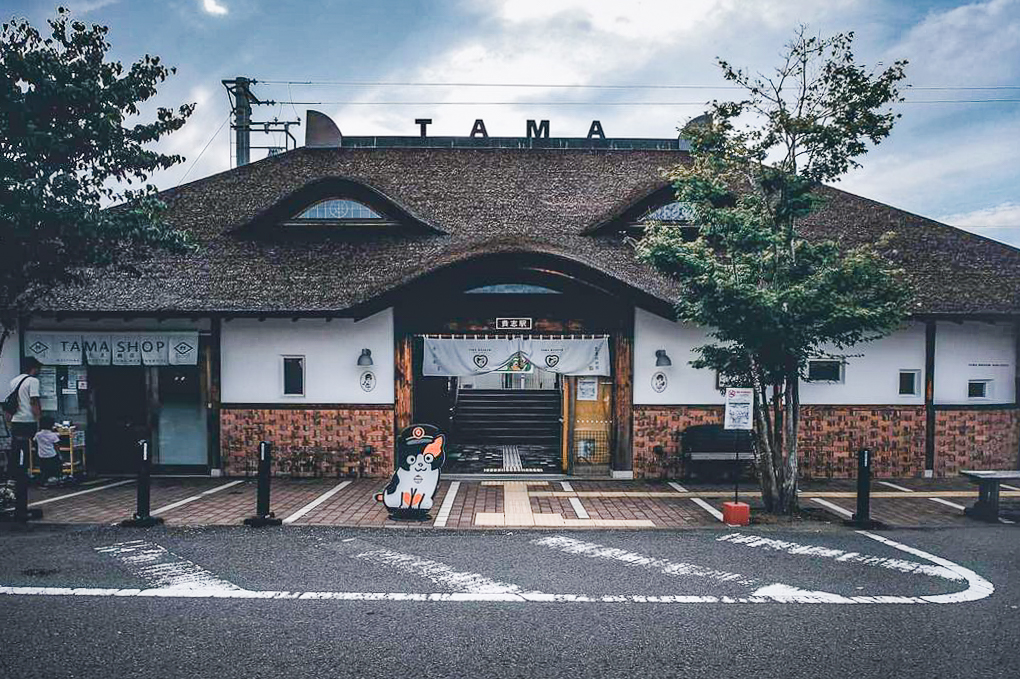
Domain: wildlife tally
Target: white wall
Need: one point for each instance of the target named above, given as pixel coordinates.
(685, 385)
(251, 364)
(872, 372)
(973, 351)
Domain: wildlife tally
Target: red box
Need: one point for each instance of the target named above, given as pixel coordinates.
(736, 513)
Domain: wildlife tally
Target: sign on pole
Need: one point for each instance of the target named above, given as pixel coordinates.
(739, 408)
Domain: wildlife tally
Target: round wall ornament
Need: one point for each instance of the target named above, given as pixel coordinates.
(367, 380)
(659, 382)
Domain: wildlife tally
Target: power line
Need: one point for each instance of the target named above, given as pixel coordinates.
(385, 83)
(195, 161)
(600, 103)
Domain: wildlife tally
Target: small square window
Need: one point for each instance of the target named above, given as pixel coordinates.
(825, 371)
(293, 375)
(908, 382)
(979, 388)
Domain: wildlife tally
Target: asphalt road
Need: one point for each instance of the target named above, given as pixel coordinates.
(406, 603)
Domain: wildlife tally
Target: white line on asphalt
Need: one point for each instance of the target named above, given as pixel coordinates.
(80, 492)
(596, 551)
(162, 569)
(188, 500)
(317, 501)
(840, 555)
(579, 509)
(1003, 485)
(437, 572)
(947, 503)
(444, 512)
(567, 487)
(677, 487)
(893, 485)
(707, 507)
(836, 508)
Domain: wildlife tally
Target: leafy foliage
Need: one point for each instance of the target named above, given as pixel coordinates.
(771, 298)
(67, 149)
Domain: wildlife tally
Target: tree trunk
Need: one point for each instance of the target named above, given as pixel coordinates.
(763, 441)
(791, 406)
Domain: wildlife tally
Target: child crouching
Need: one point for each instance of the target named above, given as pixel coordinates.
(50, 465)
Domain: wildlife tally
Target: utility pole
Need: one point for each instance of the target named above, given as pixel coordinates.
(242, 99)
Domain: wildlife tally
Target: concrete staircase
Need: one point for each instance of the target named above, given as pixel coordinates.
(510, 417)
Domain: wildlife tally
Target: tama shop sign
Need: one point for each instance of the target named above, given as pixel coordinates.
(93, 348)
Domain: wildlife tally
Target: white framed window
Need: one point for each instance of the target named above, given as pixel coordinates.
(293, 375)
(825, 370)
(909, 382)
(979, 389)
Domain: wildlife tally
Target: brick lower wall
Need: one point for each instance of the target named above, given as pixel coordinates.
(830, 437)
(309, 442)
(976, 439)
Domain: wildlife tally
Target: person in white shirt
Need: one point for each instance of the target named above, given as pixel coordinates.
(24, 422)
(46, 439)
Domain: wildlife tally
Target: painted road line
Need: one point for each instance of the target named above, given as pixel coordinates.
(893, 485)
(707, 507)
(438, 573)
(444, 511)
(677, 487)
(593, 550)
(162, 569)
(80, 492)
(193, 498)
(317, 501)
(579, 509)
(836, 508)
(567, 487)
(1009, 487)
(947, 503)
(839, 555)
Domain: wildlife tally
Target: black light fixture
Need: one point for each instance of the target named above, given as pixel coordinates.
(365, 358)
(661, 359)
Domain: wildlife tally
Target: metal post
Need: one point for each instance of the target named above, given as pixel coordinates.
(142, 518)
(862, 518)
(242, 121)
(264, 517)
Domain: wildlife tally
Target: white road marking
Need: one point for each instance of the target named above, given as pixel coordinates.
(893, 485)
(444, 511)
(162, 569)
(597, 551)
(707, 507)
(839, 555)
(1003, 485)
(947, 503)
(437, 572)
(579, 509)
(567, 487)
(188, 500)
(80, 492)
(175, 577)
(317, 501)
(836, 508)
(677, 487)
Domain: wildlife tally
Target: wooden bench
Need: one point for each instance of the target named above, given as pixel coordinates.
(710, 445)
(987, 506)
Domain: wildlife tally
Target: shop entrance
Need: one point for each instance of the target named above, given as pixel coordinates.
(119, 416)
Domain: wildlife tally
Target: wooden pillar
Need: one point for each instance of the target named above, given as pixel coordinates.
(211, 368)
(929, 398)
(403, 376)
(623, 398)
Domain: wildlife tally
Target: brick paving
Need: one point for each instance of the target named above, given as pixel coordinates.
(588, 503)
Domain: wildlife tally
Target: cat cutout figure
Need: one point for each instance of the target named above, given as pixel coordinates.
(420, 457)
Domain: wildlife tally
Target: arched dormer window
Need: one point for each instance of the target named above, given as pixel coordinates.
(678, 212)
(338, 212)
(659, 206)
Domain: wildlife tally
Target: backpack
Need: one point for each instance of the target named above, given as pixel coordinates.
(13, 401)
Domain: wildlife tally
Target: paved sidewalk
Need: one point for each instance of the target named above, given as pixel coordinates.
(528, 503)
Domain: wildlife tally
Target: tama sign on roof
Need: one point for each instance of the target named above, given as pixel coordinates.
(129, 348)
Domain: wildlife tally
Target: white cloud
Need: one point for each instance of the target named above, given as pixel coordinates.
(86, 6)
(1001, 222)
(213, 7)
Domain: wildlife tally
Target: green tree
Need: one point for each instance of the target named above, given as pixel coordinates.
(68, 149)
(770, 298)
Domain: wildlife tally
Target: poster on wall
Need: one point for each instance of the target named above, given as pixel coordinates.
(739, 408)
(587, 388)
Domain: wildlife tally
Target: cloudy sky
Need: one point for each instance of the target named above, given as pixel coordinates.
(957, 162)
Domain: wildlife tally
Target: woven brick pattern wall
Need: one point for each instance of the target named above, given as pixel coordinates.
(661, 426)
(321, 442)
(976, 439)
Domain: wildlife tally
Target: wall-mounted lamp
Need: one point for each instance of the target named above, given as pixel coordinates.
(661, 359)
(365, 358)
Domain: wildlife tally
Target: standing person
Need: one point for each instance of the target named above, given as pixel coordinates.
(24, 421)
(50, 466)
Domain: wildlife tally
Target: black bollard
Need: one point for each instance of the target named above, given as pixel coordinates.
(264, 517)
(142, 518)
(21, 511)
(862, 518)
